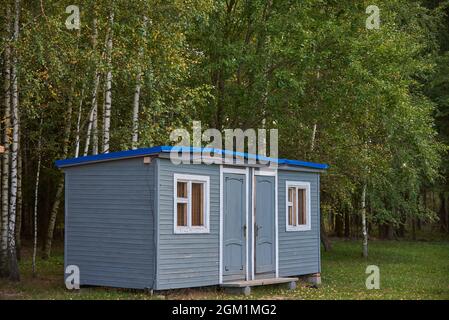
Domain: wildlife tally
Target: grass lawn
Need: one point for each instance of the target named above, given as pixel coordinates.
(408, 270)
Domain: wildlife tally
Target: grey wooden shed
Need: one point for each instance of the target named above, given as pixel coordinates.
(135, 219)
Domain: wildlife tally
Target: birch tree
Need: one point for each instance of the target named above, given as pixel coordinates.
(5, 156)
(136, 101)
(95, 119)
(12, 255)
(89, 131)
(36, 196)
(135, 129)
(108, 86)
(78, 125)
(19, 214)
(92, 122)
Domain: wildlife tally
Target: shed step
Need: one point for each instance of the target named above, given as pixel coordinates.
(257, 282)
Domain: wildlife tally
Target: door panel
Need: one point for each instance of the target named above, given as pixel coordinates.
(264, 224)
(234, 228)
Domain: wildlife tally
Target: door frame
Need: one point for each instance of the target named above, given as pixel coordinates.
(245, 172)
(273, 173)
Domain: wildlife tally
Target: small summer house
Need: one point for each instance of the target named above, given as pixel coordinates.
(136, 219)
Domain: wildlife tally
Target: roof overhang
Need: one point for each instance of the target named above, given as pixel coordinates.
(168, 149)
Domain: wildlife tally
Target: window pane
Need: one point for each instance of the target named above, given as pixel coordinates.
(290, 215)
(301, 206)
(182, 214)
(197, 204)
(182, 189)
(294, 207)
(291, 192)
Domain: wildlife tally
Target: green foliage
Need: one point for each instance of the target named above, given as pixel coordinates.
(375, 97)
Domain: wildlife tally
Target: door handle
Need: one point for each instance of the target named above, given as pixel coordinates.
(257, 230)
(244, 231)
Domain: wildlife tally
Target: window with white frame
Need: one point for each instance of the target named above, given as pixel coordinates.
(191, 204)
(298, 206)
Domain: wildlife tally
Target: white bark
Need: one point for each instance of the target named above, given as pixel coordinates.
(19, 202)
(36, 195)
(5, 164)
(312, 144)
(92, 125)
(13, 266)
(95, 122)
(135, 130)
(364, 227)
(78, 125)
(89, 131)
(108, 97)
(135, 135)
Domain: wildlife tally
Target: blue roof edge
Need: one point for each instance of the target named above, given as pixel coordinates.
(161, 149)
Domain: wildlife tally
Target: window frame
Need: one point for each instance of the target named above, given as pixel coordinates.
(189, 179)
(298, 185)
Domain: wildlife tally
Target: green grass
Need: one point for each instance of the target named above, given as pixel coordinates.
(408, 270)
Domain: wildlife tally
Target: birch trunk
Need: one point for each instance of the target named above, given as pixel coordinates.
(323, 235)
(136, 106)
(5, 164)
(312, 144)
(52, 221)
(95, 122)
(19, 215)
(78, 126)
(92, 125)
(94, 114)
(135, 135)
(108, 97)
(14, 274)
(364, 227)
(60, 189)
(36, 195)
(89, 132)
